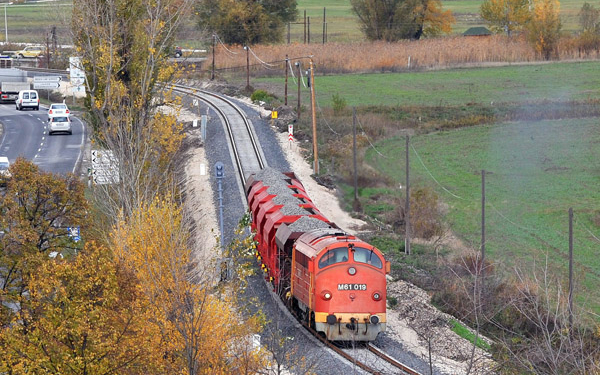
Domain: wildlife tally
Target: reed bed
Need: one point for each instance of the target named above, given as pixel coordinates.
(361, 57)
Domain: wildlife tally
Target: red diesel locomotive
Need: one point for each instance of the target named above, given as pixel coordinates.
(331, 279)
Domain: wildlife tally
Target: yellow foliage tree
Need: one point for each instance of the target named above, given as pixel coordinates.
(201, 332)
(86, 315)
(125, 47)
(506, 15)
(544, 27)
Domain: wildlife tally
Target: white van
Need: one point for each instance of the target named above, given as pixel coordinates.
(28, 99)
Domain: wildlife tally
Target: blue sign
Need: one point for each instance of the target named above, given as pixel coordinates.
(73, 232)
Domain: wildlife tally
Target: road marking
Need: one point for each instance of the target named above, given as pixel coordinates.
(39, 149)
(81, 145)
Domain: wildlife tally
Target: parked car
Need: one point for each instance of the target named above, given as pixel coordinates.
(4, 172)
(58, 109)
(59, 124)
(178, 52)
(31, 51)
(28, 99)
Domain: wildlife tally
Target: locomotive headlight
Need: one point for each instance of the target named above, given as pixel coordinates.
(326, 295)
(376, 296)
(374, 319)
(352, 271)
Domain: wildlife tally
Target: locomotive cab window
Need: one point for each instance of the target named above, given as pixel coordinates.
(362, 255)
(334, 256)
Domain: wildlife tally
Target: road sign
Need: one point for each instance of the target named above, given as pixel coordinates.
(291, 132)
(47, 79)
(274, 114)
(105, 167)
(48, 85)
(74, 233)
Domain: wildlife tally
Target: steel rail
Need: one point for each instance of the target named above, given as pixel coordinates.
(394, 362)
(202, 95)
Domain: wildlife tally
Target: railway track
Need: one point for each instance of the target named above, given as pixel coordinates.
(248, 158)
(246, 152)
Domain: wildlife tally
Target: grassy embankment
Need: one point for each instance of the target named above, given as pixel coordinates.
(537, 166)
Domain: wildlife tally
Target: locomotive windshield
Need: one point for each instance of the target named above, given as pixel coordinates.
(334, 256)
(362, 255)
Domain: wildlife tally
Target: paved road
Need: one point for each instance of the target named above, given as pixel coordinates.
(25, 134)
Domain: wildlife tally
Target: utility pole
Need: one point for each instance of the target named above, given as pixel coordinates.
(288, 32)
(571, 266)
(308, 32)
(354, 156)
(214, 45)
(482, 225)
(314, 117)
(324, 23)
(299, 79)
(5, 25)
(304, 26)
(407, 201)
(247, 67)
(287, 61)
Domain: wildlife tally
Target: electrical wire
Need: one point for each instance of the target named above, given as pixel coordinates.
(587, 230)
(434, 179)
(323, 117)
(224, 46)
(258, 58)
(292, 71)
(369, 140)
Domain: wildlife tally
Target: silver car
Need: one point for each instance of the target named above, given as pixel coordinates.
(59, 124)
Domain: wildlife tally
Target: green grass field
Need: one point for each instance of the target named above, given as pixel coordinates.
(32, 23)
(535, 171)
(515, 83)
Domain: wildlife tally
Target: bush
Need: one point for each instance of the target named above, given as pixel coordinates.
(392, 301)
(261, 96)
(339, 104)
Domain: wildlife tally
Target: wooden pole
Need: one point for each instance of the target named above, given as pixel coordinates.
(287, 61)
(324, 25)
(354, 155)
(308, 30)
(214, 45)
(482, 226)
(288, 32)
(407, 201)
(247, 67)
(314, 116)
(304, 26)
(299, 95)
(571, 266)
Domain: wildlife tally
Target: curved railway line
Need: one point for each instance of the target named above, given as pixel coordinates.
(248, 158)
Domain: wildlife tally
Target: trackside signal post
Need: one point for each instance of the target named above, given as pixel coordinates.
(219, 174)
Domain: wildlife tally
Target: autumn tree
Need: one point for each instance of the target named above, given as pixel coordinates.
(544, 27)
(201, 330)
(124, 48)
(35, 210)
(506, 16)
(246, 21)
(589, 18)
(402, 19)
(83, 315)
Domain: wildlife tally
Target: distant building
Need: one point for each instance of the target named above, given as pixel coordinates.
(477, 31)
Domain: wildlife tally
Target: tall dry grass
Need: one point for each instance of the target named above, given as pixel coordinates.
(398, 56)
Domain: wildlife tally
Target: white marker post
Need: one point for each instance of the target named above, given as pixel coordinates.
(291, 134)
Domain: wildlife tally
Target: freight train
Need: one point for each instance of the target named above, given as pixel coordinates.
(332, 280)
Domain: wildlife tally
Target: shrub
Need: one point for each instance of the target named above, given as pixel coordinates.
(392, 301)
(339, 104)
(261, 96)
